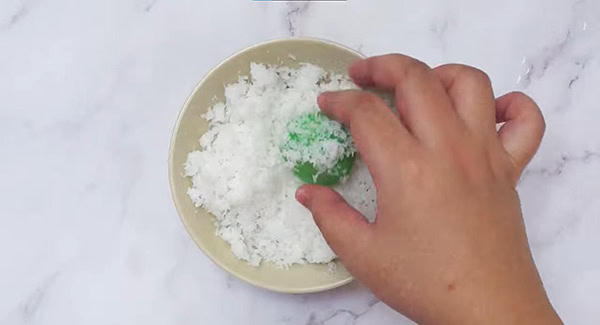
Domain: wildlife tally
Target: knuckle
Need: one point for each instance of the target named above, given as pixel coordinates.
(533, 110)
(362, 106)
(520, 96)
(476, 77)
(523, 99)
(395, 57)
(408, 64)
(418, 64)
(416, 67)
(365, 100)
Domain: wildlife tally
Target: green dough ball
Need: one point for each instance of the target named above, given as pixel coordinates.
(309, 174)
(320, 150)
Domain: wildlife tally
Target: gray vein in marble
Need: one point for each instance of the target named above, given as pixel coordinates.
(229, 281)
(560, 165)
(312, 320)
(18, 14)
(440, 30)
(148, 5)
(580, 67)
(573, 81)
(133, 171)
(571, 222)
(29, 307)
(295, 11)
(360, 47)
(538, 68)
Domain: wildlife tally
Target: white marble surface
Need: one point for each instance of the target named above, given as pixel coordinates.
(89, 93)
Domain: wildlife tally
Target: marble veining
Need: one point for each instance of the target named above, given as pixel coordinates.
(294, 12)
(89, 93)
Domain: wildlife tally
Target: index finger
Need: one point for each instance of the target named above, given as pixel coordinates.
(378, 134)
(421, 98)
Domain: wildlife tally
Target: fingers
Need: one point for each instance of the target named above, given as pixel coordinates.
(421, 98)
(523, 130)
(471, 93)
(377, 132)
(346, 231)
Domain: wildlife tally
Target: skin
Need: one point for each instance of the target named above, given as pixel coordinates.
(449, 244)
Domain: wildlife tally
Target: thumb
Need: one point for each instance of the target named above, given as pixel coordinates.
(524, 127)
(346, 230)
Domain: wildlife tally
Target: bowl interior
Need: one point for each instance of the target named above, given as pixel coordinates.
(191, 126)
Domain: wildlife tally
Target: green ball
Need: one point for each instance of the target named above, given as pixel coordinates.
(311, 138)
(309, 174)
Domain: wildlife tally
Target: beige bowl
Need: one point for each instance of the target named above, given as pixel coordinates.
(190, 126)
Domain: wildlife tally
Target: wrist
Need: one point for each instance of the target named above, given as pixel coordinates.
(492, 300)
(517, 307)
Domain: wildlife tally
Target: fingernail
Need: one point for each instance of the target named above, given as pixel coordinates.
(302, 196)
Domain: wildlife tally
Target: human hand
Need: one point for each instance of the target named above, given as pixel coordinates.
(448, 245)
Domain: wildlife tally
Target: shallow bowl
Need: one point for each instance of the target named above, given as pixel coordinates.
(189, 128)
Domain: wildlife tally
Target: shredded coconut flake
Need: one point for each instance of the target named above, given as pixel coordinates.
(240, 176)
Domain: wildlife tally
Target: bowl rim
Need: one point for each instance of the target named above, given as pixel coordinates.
(172, 175)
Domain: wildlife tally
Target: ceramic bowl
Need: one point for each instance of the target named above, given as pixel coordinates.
(189, 128)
